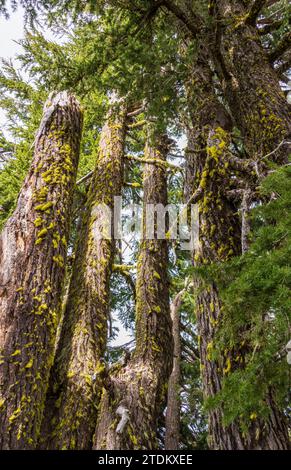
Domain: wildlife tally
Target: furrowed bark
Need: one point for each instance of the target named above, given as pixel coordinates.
(262, 113)
(133, 396)
(220, 239)
(33, 248)
(77, 373)
(172, 436)
(219, 232)
(252, 87)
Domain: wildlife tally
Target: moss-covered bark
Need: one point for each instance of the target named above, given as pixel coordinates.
(219, 240)
(250, 82)
(208, 167)
(76, 377)
(33, 247)
(136, 391)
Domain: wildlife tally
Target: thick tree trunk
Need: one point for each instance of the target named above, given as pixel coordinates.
(262, 113)
(76, 377)
(131, 402)
(172, 436)
(220, 239)
(219, 230)
(251, 84)
(33, 247)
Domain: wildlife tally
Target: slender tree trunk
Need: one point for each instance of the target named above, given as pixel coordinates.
(33, 247)
(131, 402)
(172, 437)
(251, 84)
(76, 377)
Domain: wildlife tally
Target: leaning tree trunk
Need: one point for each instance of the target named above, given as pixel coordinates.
(172, 436)
(76, 377)
(210, 176)
(33, 247)
(251, 83)
(133, 396)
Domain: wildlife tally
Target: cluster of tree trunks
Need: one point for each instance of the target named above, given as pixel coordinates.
(258, 108)
(76, 377)
(56, 390)
(60, 412)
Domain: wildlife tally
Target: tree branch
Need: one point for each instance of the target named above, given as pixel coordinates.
(152, 161)
(284, 142)
(195, 196)
(193, 23)
(123, 270)
(133, 185)
(85, 178)
(137, 124)
(281, 48)
(149, 14)
(136, 112)
(284, 67)
(269, 27)
(255, 10)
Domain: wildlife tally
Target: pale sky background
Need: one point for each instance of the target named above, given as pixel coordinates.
(11, 31)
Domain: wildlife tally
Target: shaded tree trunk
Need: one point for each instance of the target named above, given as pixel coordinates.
(77, 373)
(219, 231)
(262, 113)
(219, 240)
(251, 84)
(172, 436)
(209, 169)
(33, 247)
(133, 396)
